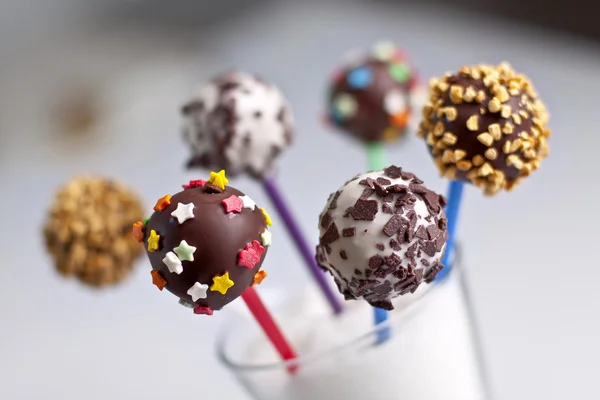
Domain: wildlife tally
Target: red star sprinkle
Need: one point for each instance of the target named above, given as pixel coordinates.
(233, 204)
(203, 310)
(251, 254)
(194, 184)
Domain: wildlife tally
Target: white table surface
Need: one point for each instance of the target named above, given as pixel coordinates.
(532, 268)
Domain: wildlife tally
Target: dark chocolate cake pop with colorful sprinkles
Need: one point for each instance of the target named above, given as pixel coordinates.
(206, 243)
(370, 97)
(485, 125)
(381, 235)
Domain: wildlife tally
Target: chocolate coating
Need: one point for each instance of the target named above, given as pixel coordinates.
(218, 237)
(381, 235)
(370, 98)
(485, 125)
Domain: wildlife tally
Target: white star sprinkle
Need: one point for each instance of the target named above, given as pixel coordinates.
(173, 263)
(248, 202)
(183, 212)
(265, 238)
(198, 291)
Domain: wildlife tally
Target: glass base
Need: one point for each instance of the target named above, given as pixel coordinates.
(430, 356)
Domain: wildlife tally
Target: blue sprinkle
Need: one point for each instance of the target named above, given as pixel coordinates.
(360, 78)
(336, 116)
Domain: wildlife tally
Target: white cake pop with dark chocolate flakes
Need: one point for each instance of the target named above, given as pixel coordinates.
(239, 123)
(381, 235)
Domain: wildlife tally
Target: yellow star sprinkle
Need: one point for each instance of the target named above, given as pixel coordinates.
(153, 240)
(218, 179)
(221, 283)
(267, 218)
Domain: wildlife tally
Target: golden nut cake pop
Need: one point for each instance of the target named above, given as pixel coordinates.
(370, 97)
(206, 244)
(485, 125)
(87, 230)
(237, 122)
(381, 235)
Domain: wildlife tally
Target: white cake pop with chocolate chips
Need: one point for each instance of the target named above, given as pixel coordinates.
(239, 123)
(381, 235)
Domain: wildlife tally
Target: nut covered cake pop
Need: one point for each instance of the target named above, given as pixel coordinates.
(87, 230)
(381, 235)
(485, 125)
(237, 122)
(370, 97)
(206, 243)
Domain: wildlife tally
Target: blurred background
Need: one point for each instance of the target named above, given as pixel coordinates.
(96, 87)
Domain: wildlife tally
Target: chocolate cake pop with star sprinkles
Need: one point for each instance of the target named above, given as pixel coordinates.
(381, 235)
(237, 122)
(206, 244)
(485, 125)
(370, 97)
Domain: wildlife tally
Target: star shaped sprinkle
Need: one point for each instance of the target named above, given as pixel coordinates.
(221, 283)
(146, 221)
(259, 277)
(184, 251)
(162, 202)
(251, 254)
(218, 179)
(203, 310)
(198, 291)
(153, 240)
(137, 231)
(233, 204)
(183, 212)
(194, 184)
(158, 280)
(173, 263)
(248, 202)
(267, 218)
(265, 238)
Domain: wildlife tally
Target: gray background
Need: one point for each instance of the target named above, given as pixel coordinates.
(529, 253)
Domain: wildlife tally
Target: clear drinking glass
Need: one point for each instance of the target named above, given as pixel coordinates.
(432, 354)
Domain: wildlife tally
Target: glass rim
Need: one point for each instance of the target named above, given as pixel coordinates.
(335, 349)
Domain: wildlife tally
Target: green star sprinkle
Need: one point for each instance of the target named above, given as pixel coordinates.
(184, 251)
(399, 72)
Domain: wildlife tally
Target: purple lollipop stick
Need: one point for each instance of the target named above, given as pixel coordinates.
(301, 244)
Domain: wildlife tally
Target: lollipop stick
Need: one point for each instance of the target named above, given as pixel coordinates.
(376, 161)
(455, 191)
(301, 244)
(269, 326)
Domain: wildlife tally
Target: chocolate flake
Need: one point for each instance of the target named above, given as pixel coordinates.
(380, 246)
(388, 198)
(421, 233)
(348, 232)
(429, 248)
(433, 231)
(383, 304)
(393, 260)
(366, 193)
(395, 245)
(407, 176)
(393, 225)
(365, 210)
(375, 261)
(386, 209)
(325, 220)
(397, 189)
(348, 212)
(383, 181)
(393, 172)
(210, 188)
(336, 196)
(330, 236)
(343, 255)
(440, 241)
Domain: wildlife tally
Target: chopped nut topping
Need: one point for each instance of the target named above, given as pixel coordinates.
(478, 160)
(508, 128)
(491, 154)
(485, 169)
(459, 154)
(473, 123)
(464, 165)
(494, 105)
(485, 138)
(449, 138)
(456, 94)
(495, 131)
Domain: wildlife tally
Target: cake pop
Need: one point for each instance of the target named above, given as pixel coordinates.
(370, 97)
(206, 243)
(237, 122)
(485, 125)
(86, 231)
(381, 235)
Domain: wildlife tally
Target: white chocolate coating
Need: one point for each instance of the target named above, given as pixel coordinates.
(239, 123)
(381, 235)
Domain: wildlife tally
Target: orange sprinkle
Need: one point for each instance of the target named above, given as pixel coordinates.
(400, 120)
(162, 202)
(137, 231)
(158, 280)
(258, 277)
